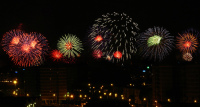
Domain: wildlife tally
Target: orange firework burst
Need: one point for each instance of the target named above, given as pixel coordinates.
(187, 42)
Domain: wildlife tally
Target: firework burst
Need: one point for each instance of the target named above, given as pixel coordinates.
(155, 43)
(70, 46)
(187, 56)
(11, 38)
(25, 49)
(118, 33)
(56, 55)
(97, 54)
(188, 42)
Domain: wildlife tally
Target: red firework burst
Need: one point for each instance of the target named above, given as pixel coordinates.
(187, 43)
(117, 54)
(11, 38)
(97, 54)
(98, 38)
(56, 55)
(26, 49)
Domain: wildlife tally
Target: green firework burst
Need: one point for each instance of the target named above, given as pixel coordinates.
(154, 40)
(70, 45)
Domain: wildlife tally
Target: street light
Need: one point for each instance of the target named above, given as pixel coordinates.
(15, 82)
(111, 84)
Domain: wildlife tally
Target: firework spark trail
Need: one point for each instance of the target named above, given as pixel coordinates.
(155, 43)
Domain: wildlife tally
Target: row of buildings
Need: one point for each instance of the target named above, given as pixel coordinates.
(146, 86)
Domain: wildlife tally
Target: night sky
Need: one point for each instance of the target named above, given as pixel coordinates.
(54, 19)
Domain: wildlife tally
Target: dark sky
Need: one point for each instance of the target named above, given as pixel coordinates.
(54, 18)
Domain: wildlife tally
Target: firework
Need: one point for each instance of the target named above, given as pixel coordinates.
(26, 49)
(117, 54)
(187, 56)
(11, 38)
(56, 55)
(98, 37)
(188, 42)
(155, 43)
(70, 46)
(114, 32)
(69, 60)
(97, 54)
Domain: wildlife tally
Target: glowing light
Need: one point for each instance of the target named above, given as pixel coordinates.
(15, 40)
(100, 97)
(98, 38)
(187, 44)
(110, 94)
(26, 48)
(54, 95)
(144, 99)
(33, 43)
(155, 43)
(117, 54)
(111, 84)
(115, 94)
(154, 40)
(71, 96)
(169, 100)
(69, 45)
(15, 82)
